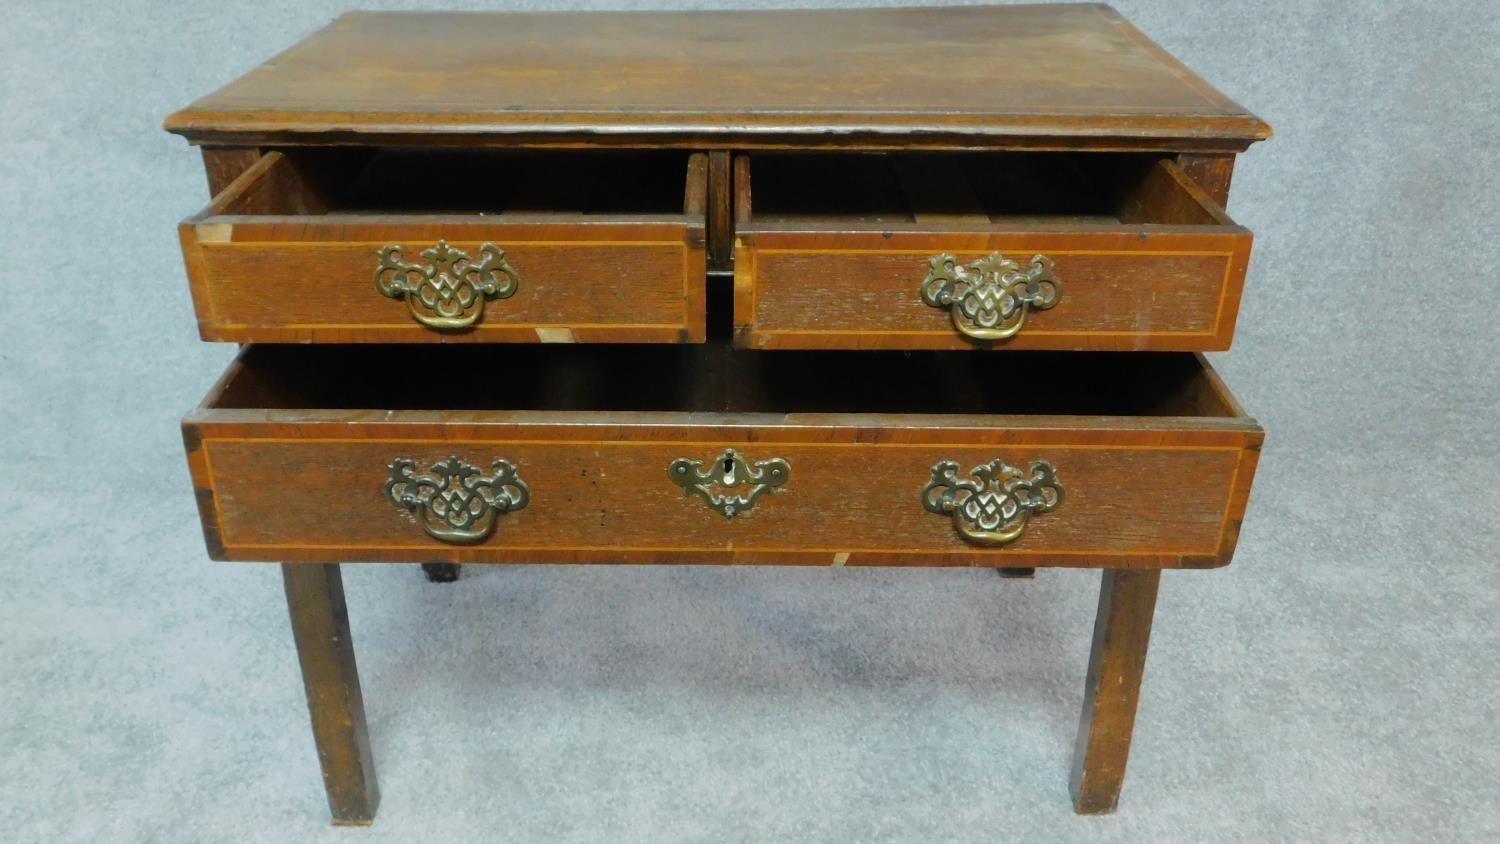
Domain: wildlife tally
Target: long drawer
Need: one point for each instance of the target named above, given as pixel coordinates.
(704, 454)
(394, 246)
(982, 251)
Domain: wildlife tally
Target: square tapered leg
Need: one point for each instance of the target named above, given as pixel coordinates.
(1127, 601)
(320, 625)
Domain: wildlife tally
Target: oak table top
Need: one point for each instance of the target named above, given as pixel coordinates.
(1043, 76)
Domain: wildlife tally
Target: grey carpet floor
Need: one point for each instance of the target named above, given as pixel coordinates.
(1339, 682)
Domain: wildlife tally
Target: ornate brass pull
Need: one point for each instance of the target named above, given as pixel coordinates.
(990, 298)
(449, 290)
(992, 505)
(729, 471)
(453, 502)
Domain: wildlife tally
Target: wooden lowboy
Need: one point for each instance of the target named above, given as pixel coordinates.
(899, 287)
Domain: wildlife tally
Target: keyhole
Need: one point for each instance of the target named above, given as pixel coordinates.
(728, 471)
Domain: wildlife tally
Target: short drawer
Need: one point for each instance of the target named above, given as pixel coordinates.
(988, 251)
(703, 454)
(393, 246)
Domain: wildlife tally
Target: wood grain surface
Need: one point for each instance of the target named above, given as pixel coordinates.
(1112, 688)
(271, 260)
(1060, 76)
(335, 703)
(1163, 270)
(295, 483)
(222, 165)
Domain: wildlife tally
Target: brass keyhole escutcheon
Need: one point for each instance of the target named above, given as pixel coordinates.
(717, 481)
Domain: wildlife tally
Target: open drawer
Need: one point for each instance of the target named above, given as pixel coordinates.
(706, 454)
(994, 250)
(392, 245)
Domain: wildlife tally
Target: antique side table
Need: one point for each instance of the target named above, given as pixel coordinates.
(484, 263)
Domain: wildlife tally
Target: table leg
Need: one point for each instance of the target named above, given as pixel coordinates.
(320, 626)
(1127, 600)
(440, 572)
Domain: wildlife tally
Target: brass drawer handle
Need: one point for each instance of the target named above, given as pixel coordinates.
(452, 501)
(993, 504)
(730, 472)
(447, 292)
(990, 298)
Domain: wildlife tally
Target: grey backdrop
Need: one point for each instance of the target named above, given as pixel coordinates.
(1338, 682)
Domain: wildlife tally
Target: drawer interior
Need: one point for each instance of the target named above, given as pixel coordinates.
(715, 378)
(976, 189)
(382, 181)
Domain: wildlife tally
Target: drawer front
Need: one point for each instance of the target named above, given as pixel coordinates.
(270, 262)
(925, 253)
(1144, 291)
(831, 492)
(593, 284)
